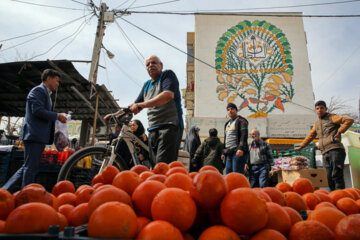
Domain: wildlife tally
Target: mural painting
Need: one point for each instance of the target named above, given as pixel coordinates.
(254, 68)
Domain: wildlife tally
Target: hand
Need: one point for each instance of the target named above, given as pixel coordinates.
(246, 168)
(108, 117)
(299, 148)
(62, 117)
(239, 153)
(337, 136)
(135, 107)
(223, 157)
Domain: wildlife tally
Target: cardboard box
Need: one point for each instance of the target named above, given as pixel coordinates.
(316, 176)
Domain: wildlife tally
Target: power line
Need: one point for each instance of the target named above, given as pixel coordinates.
(57, 43)
(289, 6)
(121, 4)
(77, 34)
(29, 34)
(49, 6)
(80, 3)
(154, 4)
(131, 45)
(239, 14)
(52, 30)
(125, 73)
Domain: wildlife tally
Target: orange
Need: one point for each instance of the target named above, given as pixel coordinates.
(218, 233)
(145, 175)
(179, 180)
(311, 200)
(347, 205)
(143, 196)
(141, 223)
(98, 178)
(34, 185)
(262, 194)
(323, 197)
(2, 226)
(7, 203)
(81, 188)
(353, 193)
(63, 222)
(175, 206)
(159, 230)
(161, 168)
(104, 186)
(33, 217)
(358, 202)
(96, 185)
(157, 177)
(127, 181)
(208, 189)
(176, 164)
(139, 169)
(279, 219)
(79, 215)
(187, 236)
(192, 174)
(328, 216)
(338, 194)
(176, 170)
(236, 180)
(325, 204)
(293, 214)
(283, 187)
(268, 234)
(62, 187)
(65, 198)
(295, 201)
(244, 211)
(310, 230)
(276, 195)
(348, 228)
(65, 209)
(33, 194)
(109, 173)
(302, 186)
(208, 167)
(84, 195)
(321, 191)
(107, 195)
(113, 220)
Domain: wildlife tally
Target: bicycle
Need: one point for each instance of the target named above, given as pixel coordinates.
(83, 165)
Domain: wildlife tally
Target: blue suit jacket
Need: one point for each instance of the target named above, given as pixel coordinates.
(39, 119)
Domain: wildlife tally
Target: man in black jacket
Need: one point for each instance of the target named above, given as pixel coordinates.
(235, 140)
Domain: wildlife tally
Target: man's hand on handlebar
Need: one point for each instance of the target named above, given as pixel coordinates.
(135, 108)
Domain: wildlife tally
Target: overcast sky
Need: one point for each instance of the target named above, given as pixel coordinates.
(333, 43)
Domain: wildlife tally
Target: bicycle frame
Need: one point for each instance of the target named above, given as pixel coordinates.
(130, 140)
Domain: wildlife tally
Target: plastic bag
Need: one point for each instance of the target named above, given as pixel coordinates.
(61, 137)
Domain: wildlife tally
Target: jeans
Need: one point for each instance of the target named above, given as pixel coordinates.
(333, 161)
(28, 171)
(235, 163)
(258, 176)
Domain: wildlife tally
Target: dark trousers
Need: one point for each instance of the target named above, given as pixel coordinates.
(235, 164)
(258, 176)
(28, 171)
(164, 144)
(334, 163)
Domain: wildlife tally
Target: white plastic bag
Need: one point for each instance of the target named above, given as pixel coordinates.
(61, 137)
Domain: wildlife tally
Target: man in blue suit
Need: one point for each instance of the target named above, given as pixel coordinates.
(38, 128)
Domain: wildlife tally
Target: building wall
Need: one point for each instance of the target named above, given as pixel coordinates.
(261, 65)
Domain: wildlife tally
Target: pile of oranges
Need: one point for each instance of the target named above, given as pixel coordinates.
(170, 203)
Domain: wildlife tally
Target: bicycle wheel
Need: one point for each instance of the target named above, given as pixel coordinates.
(83, 165)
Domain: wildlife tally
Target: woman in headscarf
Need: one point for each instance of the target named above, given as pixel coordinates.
(138, 129)
(192, 142)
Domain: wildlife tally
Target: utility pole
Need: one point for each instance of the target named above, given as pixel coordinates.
(95, 62)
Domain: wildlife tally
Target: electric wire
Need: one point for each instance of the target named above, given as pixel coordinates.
(41, 54)
(121, 4)
(131, 45)
(75, 36)
(80, 3)
(49, 6)
(125, 73)
(51, 30)
(154, 4)
(106, 71)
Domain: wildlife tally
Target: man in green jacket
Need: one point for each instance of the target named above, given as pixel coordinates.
(209, 152)
(329, 128)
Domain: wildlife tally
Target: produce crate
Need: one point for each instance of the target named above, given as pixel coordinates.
(48, 158)
(308, 152)
(53, 234)
(318, 176)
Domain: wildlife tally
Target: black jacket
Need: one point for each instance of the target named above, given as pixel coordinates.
(209, 153)
(241, 126)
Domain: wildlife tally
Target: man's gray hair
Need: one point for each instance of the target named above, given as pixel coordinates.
(153, 56)
(257, 131)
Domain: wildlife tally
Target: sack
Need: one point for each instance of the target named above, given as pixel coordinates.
(61, 137)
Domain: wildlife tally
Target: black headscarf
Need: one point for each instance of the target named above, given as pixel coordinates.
(141, 130)
(192, 141)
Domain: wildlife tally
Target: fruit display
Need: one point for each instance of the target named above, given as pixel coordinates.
(170, 203)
